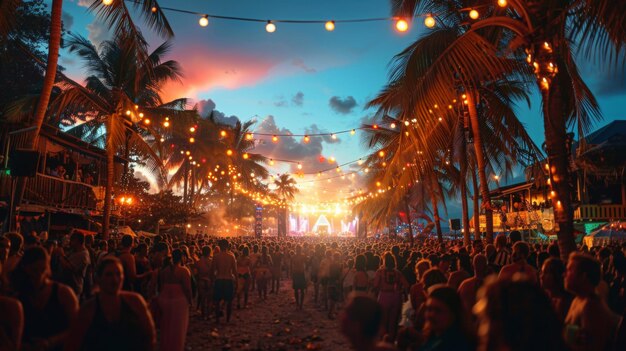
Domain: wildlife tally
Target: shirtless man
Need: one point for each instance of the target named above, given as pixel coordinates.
(224, 269)
(590, 324)
(469, 287)
(298, 261)
(520, 266)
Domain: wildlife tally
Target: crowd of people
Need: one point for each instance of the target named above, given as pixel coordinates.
(79, 293)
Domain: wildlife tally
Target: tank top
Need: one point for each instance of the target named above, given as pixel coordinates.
(123, 334)
(47, 321)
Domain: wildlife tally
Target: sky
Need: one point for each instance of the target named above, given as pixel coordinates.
(300, 79)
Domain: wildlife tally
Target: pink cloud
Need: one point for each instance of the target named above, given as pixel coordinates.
(205, 69)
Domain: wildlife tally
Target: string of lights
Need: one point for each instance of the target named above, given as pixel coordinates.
(401, 24)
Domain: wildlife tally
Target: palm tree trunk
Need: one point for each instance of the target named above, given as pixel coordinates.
(481, 163)
(54, 45)
(433, 202)
(476, 207)
(108, 190)
(463, 186)
(555, 130)
(185, 180)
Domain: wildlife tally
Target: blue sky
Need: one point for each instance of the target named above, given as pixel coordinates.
(300, 78)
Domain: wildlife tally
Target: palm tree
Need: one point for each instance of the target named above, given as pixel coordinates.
(117, 85)
(548, 35)
(286, 190)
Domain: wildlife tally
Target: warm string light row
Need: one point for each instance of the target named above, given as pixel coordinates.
(401, 24)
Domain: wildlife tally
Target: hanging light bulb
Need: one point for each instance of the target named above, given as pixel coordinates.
(128, 112)
(192, 140)
(333, 136)
(330, 26)
(192, 129)
(271, 162)
(474, 14)
(166, 124)
(246, 156)
(249, 136)
(306, 139)
(270, 27)
(392, 125)
(204, 21)
(154, 9)
(146, 121)
(229, 152)
(502, 3)
(402, 25)
(274, 138)
(381, 153)
(140, 114)
(352, 132)
(107, 2)
(429, 21)
(299, 165)
(223, 133)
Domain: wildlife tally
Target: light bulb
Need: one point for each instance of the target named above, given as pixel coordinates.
(146, 121)
(271, 162)
(274, 139)
(229, 152)
(474, 14)
(502, 3)
(402, 25)
(166, 124)
(192, 129)
(246, 156)
(392, 125)
(223, 133)
(429, 21)
(333, 136)
(107, 2)
(306, 139)
(192, 140)
(299, 165)
(352, 132)
(204, 21)
(270, 27)
(381, 153)
(330, 26)
(249, 136)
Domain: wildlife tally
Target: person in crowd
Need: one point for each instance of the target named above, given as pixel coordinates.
(262, 272)
(128, 262)
(297, 269)
(361, 283)
(203, 277)
(277, 261)
(49, 307)
(113, 319)
(517, 315)
(502, 256)
(470, 286)
(254, 257)
(243, 277)
(142, 268)
(15, 251)
(552, 281)
(589, 324)
(5, 249)
(360, 323)
(390, 284)
(74, 266)
(447, 323)
(11, 318)
(174, 302)
(520, 264)
(334, 285)
(224, 269)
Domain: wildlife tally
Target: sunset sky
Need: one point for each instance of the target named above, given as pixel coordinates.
(300, 79)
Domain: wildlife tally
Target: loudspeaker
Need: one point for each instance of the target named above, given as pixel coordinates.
(455, 224)
(23, 163)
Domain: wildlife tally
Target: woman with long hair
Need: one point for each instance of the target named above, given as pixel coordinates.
(262, 272)
(447, 324)
(361, 282)
(113, 319)
(390, 284)
(243, 276)
(516, 316)
(49, 307)
(174, 301)
(552, 281)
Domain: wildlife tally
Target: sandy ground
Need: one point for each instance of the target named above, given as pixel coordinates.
(273, 324)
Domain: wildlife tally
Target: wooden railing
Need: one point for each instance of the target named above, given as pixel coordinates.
(52, 191)
(602, 212)
(521, 220)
